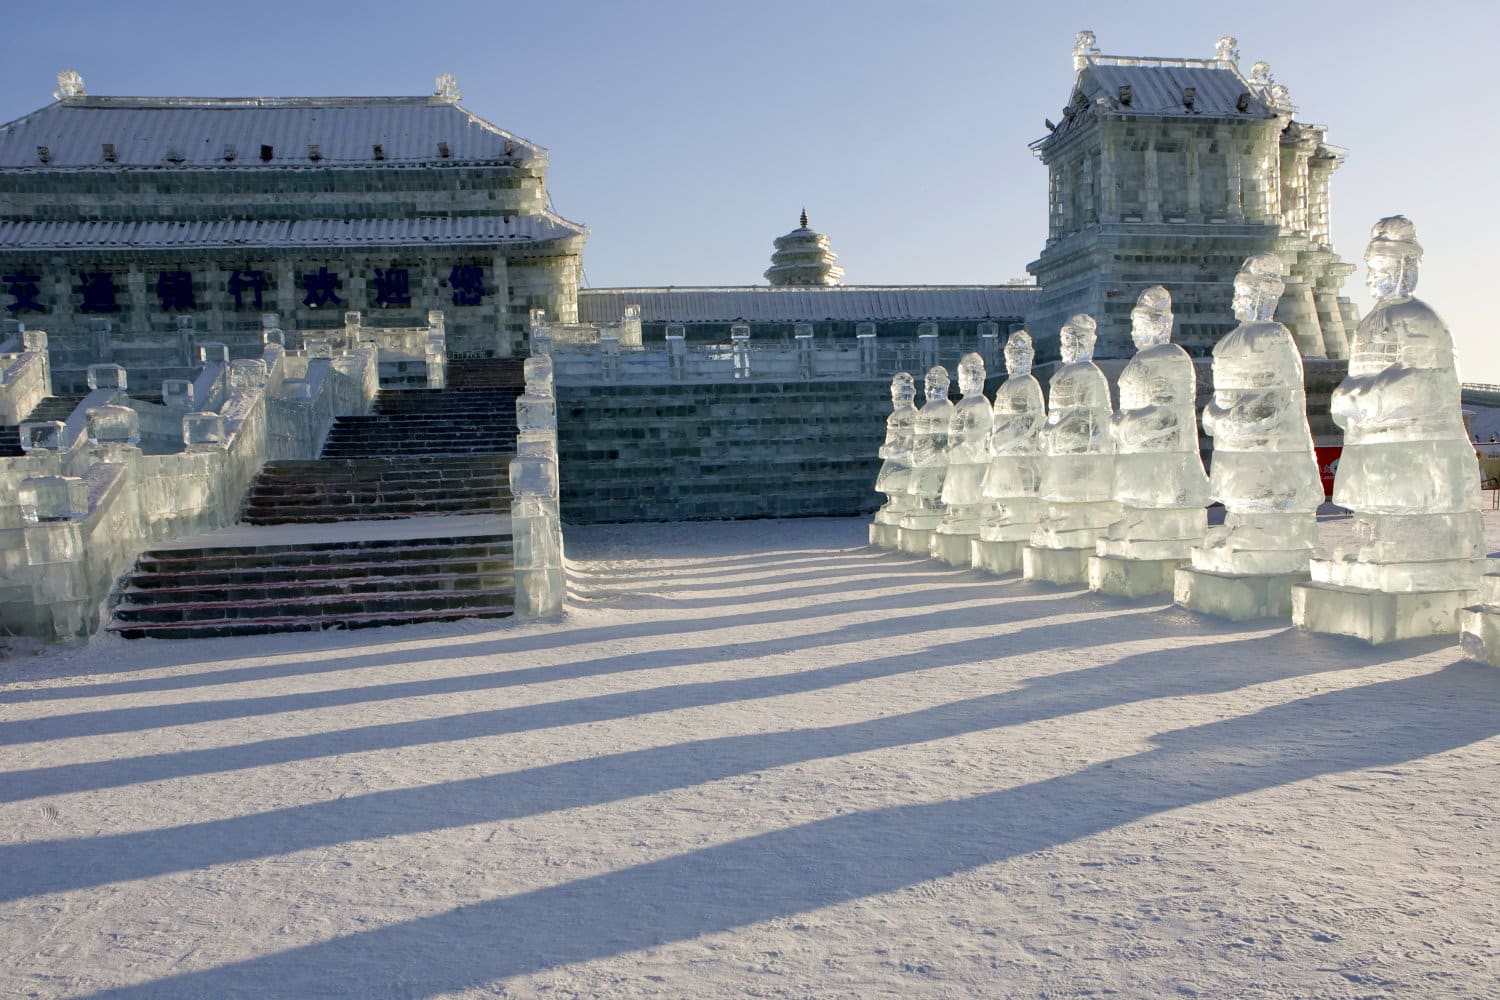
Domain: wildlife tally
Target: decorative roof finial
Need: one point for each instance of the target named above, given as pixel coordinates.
(1227, 50)
(69, 86)
(804, 218)
(1083, 48)
(447, 88)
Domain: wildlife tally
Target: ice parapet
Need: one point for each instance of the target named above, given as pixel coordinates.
(968, 451)
(1408, 471)
(894, 478)
(929, 453)
(1013, 480)
(1159, 479)
(1078, 472)
(1263, 470)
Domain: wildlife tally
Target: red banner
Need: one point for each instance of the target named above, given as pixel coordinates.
(1328, 465)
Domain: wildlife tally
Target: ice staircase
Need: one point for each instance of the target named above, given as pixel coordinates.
(402, 519)
(51, 408)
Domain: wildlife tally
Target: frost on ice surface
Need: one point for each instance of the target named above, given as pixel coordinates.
(1159, 478)
(894, 477)
(968, 451)
(1078, 472)
(1014, 477)
(929, 452)
(1400, 412)
(1263, 470)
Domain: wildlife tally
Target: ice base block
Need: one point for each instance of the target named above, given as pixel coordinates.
(887, 536)
(1479, 624)
(952, 549)
(1237, 598)
(917, 541)
(996, 557)
(1374, 615)
(1132, 577)
(1061, 566)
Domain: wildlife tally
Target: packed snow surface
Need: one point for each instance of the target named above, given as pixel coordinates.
(756, 759)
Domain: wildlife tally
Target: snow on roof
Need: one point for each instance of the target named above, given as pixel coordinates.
(790, 304)
(229, 132)
(287, 233)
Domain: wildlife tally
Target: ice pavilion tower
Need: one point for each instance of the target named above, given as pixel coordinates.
(1172, 172)
(802, 257)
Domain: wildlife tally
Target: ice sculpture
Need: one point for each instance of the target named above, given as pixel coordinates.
(1078, 472)
(1263, 469)
(929, 461)
(1159, 479)
(895, 473)
(1014, 477)
(1408, 471)
(968, 461)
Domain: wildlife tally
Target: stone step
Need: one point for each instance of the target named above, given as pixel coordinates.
(10, 441)
(329, 513)
(304, 622)
(366, 553)
(316, 606)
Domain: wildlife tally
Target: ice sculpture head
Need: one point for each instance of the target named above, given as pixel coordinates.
(1258, 287)
(935, 385)
(903, 389)
(971, 374)
(1019, 354)
(1151, 319)
(1392, 258)
(1076, 339)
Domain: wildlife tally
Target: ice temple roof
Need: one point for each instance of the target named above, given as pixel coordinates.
(80, 131)
(854, 303)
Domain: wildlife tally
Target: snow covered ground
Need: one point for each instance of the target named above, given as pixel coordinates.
(756, 759)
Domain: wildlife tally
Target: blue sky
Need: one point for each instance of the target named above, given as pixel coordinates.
(688, 135)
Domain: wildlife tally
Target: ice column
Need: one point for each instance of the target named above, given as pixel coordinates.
(895, 474)
(1263, 470)
(929, 460)
(536, 526)
(968, 461)
(1013, 481)
(1078, 472)
(1159, 479)
(1408, 471)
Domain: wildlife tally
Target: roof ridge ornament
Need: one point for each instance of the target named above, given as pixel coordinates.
(1227, 50)
(447, 88)
(1083, 49)
(803, 219)
(69, 86)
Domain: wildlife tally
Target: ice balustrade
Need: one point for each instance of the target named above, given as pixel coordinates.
(25, 374)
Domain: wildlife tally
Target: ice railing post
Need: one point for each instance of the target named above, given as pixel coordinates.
(352, 324)
(609, 357)
(927, 345)
(540, 334)
(536, 530)
(739, 349)
(869, 349)
(676, 351)
(437, 350)
(802, 334)
(53, 498)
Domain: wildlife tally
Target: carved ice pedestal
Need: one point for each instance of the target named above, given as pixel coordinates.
(1060, 566)
(1066, 538)
(1234, 596)
(886, 536)
(1376, 616)
(1479, 623)
(1132, 577)
(997, 557)
(955, 550)
(917, 541)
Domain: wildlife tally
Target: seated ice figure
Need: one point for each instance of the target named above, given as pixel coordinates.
(895, 473)
(1263, 470)
(968, 452)
(1159, 478)
(929, 453)
(1014, 478)
(1408, 471)
(1078, 472)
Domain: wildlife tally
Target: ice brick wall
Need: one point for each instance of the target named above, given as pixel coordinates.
(690, 452)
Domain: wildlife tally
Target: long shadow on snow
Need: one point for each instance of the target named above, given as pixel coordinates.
(121, 720)
(831, 861)
(56, 866)
(19, 785)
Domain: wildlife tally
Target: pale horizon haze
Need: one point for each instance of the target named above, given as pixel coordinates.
(688, 136)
